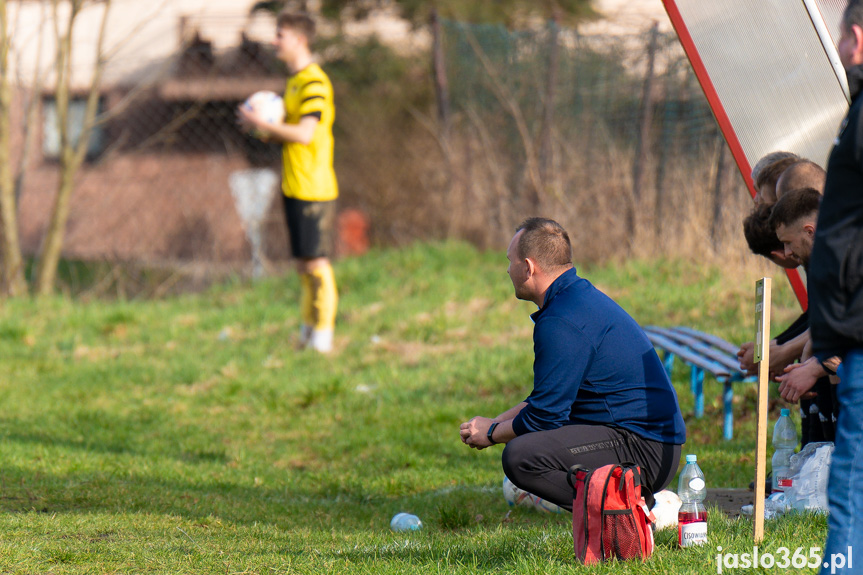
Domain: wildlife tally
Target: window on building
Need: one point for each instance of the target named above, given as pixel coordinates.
(77, 111)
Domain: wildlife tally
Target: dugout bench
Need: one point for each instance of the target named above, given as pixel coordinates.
(702, 352)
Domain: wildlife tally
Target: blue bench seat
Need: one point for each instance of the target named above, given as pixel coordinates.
(703, 352)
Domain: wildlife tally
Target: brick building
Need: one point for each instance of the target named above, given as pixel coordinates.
(155, 186)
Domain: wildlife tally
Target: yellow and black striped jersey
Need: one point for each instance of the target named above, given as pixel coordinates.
(308, 168)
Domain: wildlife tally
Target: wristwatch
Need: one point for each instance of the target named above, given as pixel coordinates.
(491, 431)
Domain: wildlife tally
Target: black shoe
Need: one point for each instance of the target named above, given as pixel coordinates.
(768, 485)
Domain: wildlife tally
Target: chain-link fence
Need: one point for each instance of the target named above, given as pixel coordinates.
(157, 184)
(611, 135)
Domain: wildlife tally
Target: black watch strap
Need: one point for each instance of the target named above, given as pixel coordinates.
(491, 431)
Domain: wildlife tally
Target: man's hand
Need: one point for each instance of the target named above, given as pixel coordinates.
(474, 433)
(831, 366)
(780, 356)
(745, 355)
(249, 120)
(798, 379)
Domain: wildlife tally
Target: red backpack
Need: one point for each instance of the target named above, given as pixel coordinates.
(609, 516)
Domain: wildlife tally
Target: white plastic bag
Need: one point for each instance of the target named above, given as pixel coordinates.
(810, 470)
(774, 506)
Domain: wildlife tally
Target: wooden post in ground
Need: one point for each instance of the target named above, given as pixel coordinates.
(762, 357)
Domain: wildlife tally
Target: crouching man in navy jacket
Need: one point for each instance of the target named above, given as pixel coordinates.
(600, 393)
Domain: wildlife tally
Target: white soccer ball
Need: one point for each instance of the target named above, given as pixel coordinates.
(511, 493)
(665, 509)
(515, 496)
(267, 104)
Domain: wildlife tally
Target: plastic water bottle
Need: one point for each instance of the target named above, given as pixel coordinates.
(692, 517)
(405, 522)
(784, 442)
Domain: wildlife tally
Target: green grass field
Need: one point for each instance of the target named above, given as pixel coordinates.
(188, 436)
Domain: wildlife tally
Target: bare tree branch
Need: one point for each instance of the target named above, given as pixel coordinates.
(72, 154)
(12, 274)
(31, 107)
(511, 105)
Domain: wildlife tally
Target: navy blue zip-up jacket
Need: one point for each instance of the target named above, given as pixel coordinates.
(835, 275)
(595, 366)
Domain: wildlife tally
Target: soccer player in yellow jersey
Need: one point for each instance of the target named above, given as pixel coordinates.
(309, 181)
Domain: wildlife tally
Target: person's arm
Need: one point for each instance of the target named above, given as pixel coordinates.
(799, 378)
(561, 363)
(301, 133)
(806, 353)
(781, 355)
(474, 433)
(511, 412)
(563, 356)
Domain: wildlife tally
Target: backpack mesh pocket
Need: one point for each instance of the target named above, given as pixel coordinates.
(620, 535)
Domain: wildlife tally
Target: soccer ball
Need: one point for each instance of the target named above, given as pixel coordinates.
(269, 105)
(665, 509)
(515, 496)
(511, 493)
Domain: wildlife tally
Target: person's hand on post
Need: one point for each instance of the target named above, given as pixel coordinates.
(798, 379)
(474, 433)
(745, 355)
(781, 356)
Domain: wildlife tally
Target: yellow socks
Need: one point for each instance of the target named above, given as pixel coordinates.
(306, 311)
(319, 302)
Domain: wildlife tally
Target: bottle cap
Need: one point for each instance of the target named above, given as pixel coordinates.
(785, 412)
(691, 458)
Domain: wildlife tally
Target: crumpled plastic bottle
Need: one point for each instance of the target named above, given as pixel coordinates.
(405, 522)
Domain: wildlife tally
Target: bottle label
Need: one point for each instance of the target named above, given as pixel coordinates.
(781, 479)
(696, 484)
(693, 533)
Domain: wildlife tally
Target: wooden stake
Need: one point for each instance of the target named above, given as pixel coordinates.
(762, 357)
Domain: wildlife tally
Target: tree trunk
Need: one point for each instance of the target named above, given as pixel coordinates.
(53, 246)
(71, 153)
(12, 273)
(31, 116)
